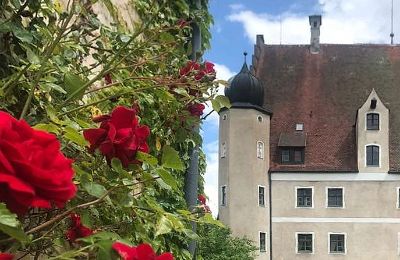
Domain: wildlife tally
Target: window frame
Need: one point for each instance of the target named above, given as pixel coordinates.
(224, 196)
(312, 196)
(292, 151)
(261, 154)
(223, 150)
(265, 241)
(379, 155)
(327, 198)
(258, 195)
(379, 121)
(312, 242)
(329, 243)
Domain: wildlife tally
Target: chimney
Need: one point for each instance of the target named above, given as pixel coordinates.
(315, 22)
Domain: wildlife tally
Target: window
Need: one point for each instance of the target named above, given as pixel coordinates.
(304, 243)
(224, 117)
(299, 127)
(263, 244)
(304, 197)
(261, 196)
(373, 155)
(337, 243)
(260, 119)
(223, 150)
(335, 198)
(292, 155)
(260, 150)
(372, 121)
(223, 195)
(398, 198)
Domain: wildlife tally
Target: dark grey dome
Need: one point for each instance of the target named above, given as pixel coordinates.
(245, 88)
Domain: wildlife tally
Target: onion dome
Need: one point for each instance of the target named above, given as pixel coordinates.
(245, 88)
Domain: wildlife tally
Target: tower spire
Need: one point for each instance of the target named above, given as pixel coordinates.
(391, 32)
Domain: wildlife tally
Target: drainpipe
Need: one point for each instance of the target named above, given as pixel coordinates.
(192, 173)
(270, 213)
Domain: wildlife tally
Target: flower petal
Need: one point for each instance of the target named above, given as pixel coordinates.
(126, 252)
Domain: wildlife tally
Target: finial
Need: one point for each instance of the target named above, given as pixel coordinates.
(245, 54)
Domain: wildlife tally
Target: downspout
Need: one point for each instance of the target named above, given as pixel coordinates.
(192, 173)
(270, 213)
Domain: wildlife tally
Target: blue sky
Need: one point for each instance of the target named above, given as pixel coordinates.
(236, 24)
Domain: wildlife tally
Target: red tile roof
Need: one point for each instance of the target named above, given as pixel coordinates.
(324, 91)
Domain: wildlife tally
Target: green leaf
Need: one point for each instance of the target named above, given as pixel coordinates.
(208, 218)
(23, 35)
(51, 128)
(95, 189)
(10, 225)
(117, 166)
(145, 157)
(224, 101)
(31, 56)
(7, 218)
(216, 105)
(14, 232)
(164, 226)
(74, 136)
(74, 83)
(170, 158)
(167, 178)
(55, 87)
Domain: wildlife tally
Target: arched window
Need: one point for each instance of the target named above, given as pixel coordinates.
(223, 150)
(372, 121)
(373, 155)
(260, 150)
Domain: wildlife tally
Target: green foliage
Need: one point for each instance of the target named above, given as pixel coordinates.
(217, 243)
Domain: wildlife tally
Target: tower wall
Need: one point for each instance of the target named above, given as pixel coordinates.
(242, 172)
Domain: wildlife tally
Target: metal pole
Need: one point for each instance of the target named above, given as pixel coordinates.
(192, 173)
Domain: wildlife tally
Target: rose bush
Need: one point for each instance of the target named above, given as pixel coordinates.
(77, 229)
(33, 171)
(120, 136)
(140, 252)
(196, 109)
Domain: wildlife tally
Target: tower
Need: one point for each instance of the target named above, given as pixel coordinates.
(315, 23)
(244, 161)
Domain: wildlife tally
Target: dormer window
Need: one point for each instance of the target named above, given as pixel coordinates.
(292, 155)
(372, 121)
(292, 146)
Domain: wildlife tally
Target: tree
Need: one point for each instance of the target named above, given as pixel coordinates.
(217, 243)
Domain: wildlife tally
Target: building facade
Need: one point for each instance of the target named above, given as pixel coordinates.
(309, 156)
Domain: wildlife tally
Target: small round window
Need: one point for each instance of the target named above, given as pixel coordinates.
(260, 118)
(224, 117)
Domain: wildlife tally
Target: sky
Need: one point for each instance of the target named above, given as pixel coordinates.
(236, 24)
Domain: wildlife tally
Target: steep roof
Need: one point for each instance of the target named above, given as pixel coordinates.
(324, 91)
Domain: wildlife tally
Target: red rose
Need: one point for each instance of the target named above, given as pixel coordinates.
(202, 199)
(182, 23)
(209, 68)
(108, 79)
(33, 171)
(190, 66)
(141, 252)
(196, 109)
(119, 136)
(77, 230)
(6, 256)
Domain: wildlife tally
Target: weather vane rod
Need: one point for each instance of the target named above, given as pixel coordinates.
(391, 33)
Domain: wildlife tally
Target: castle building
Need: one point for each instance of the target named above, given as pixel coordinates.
(309, 156)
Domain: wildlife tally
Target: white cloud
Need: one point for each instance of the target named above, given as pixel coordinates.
(211, 176)
(223, 73)
(343, 21)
